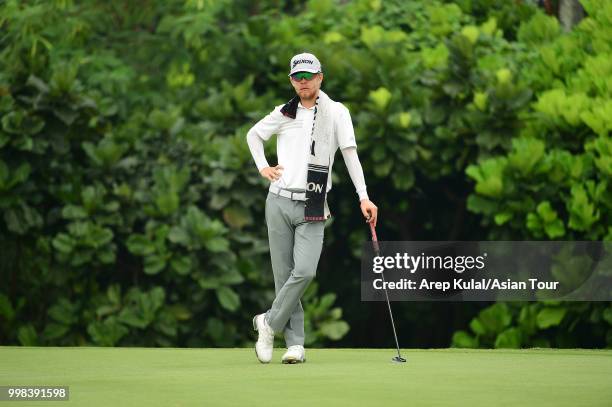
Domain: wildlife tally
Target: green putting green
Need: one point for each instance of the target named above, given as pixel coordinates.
(330, 377)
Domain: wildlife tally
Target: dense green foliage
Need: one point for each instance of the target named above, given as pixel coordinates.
(129, 204)
(555, 182)
(132, 210)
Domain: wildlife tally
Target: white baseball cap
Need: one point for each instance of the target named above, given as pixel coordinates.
(304, 62)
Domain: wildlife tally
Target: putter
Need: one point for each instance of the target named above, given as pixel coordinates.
(398, 358)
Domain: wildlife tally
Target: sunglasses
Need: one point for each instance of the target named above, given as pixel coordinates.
(298, 76)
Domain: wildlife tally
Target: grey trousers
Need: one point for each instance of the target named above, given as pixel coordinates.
(295, 248)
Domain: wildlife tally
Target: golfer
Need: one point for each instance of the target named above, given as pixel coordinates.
(309, 128)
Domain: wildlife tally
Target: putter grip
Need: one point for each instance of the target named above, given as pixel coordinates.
(374, 240)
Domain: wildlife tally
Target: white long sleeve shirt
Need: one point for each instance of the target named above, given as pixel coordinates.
(293, 140)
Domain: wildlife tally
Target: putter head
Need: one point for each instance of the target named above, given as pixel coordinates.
(398, 359)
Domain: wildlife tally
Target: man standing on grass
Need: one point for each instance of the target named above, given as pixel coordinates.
(310, 128)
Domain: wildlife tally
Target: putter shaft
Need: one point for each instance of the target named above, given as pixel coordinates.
(399, 357)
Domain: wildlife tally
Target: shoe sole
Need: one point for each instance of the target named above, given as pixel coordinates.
(293, 361)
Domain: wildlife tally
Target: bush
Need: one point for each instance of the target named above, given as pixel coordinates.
(128, 215)
(132, 210)
(554, 182)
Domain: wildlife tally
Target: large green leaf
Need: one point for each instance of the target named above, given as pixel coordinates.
(237, 216)
(140, 245)
(489, 177)
(108, 332)
(21, 123)
(380, 98)
(510, 338)
(154, 263)
(549, 317)
(334, 330)
(22, 218)
(6, 308)
(495, 318)
(27, 335)
(462, 339)
(64, 311)
(64, 243)
(54, 331)
(181, 264)
(228, 298)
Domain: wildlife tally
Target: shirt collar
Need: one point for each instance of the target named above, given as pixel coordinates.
(309, 108)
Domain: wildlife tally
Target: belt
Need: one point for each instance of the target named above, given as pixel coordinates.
(296, 196)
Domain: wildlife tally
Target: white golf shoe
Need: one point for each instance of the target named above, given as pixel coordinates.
(265, 341)
(294, 354)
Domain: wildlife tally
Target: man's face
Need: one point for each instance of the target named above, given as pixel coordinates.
(307, 89)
